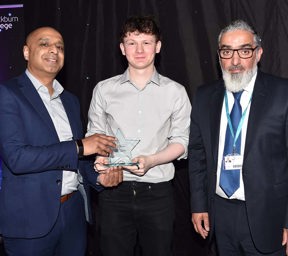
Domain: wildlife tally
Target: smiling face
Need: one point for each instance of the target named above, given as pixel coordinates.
(238, 72)
(44, 51)
(140, 49)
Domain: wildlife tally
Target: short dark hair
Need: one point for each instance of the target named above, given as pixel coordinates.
(141, 24)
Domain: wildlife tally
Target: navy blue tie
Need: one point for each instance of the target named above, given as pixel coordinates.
(230, 179)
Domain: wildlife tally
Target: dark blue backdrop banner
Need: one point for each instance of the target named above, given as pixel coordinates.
(11, 40)
(11, 32)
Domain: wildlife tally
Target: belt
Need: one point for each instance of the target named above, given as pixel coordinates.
(129, 184)
(66, 197)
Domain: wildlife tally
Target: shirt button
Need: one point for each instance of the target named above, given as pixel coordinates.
(59, 182)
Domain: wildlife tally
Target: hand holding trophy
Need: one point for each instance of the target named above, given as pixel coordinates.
(120, 156)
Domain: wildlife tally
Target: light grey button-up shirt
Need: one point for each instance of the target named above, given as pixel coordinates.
(157, 115)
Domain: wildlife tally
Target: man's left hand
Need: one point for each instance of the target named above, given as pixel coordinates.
(285, 239)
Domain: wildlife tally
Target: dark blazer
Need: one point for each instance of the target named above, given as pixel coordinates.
(265, 166)
(33, 159)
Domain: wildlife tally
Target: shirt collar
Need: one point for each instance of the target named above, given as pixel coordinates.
(250, 87)
(155, 78)
(58, 88)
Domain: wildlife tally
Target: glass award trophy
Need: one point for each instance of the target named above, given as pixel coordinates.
(121, 155)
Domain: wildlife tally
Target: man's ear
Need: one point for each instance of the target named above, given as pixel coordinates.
(259, 53)
(122, 48)
(26, 52)
(158, 46)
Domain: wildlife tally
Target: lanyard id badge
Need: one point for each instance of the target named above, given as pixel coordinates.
(233, 162)
(239, 128)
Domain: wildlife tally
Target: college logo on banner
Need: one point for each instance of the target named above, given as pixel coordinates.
(12, 40)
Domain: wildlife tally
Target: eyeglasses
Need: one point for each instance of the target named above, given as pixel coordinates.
(243, 53)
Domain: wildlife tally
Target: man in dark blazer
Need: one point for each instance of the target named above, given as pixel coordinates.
(41, 208)
(251, 218)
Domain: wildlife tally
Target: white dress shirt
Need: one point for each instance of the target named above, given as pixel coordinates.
(61, 123)
(245, 102)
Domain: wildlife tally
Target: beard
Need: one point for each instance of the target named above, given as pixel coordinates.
(238, 81)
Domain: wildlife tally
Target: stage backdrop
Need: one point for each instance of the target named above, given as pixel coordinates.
(11, 39)
(190, 30)
(11, 33)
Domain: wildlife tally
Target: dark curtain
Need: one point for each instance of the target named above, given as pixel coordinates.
(190, 30)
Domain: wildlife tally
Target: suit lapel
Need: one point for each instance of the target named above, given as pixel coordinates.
(30, 93)
(71, 112)
(215, 117)
(256, 110)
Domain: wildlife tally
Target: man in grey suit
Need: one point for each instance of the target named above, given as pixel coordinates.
(238, 163)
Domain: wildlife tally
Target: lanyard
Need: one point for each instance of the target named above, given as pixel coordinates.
(239, 128)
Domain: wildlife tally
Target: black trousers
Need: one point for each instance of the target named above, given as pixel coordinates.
(233, 237)
(136, 212)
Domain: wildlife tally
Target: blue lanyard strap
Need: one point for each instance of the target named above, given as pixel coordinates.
(239, 128)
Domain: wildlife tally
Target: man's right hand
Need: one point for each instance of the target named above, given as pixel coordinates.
(201, 223)
(100, 144)
(111, 177)
(108, 176)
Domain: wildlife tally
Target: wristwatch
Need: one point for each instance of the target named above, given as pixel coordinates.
(80, 148)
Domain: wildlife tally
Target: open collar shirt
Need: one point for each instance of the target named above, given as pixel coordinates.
(156, 115)
(61, 123)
